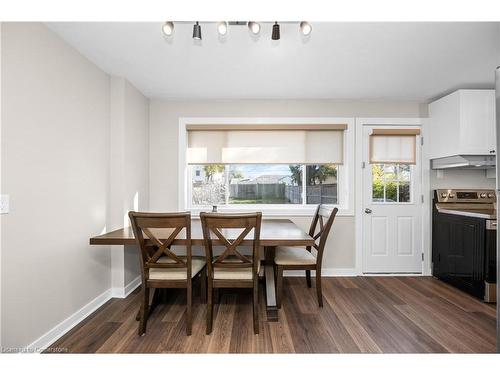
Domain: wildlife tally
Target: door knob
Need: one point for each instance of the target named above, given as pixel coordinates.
(368, 211)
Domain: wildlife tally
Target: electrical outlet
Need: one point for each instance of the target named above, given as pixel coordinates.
(4, 204)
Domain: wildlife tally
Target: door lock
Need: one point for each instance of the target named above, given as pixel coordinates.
(368, 211)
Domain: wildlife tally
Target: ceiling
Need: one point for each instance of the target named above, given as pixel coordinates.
(407, 61)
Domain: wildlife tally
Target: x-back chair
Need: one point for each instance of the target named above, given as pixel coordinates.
(232, 269)
(161, 267)
(297, 258)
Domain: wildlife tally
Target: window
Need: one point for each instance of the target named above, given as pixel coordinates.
(391, 183)
(235, 184)
(273, 167)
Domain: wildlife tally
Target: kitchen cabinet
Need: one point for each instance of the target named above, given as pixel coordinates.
(458, 251)
(462, 122)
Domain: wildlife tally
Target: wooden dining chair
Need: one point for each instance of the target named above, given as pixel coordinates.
(161, 267)
(297, 258)
(232, 269)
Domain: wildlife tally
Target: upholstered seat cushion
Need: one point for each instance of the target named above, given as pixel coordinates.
(197, 263)
(234, 273)
(287, 255)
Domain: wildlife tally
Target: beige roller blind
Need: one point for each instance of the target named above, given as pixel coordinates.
(266, 144)
(393, 146)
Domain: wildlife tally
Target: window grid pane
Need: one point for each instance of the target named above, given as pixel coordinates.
(393, 180)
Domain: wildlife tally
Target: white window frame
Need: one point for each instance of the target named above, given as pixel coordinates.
(345, 173)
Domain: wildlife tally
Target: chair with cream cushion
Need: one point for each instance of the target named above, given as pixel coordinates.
(299, 258)
(232, 269)
(161, 267)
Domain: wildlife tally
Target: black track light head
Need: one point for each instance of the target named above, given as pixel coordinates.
(276, 31)
(197, 31)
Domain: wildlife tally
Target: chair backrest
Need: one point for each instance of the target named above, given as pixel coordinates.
(155, 233)
(324, 217)
(230, 230)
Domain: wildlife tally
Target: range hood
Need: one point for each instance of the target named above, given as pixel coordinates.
(464, 162)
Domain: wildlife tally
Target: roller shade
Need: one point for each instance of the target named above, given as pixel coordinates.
(265, 144)
(393, 146)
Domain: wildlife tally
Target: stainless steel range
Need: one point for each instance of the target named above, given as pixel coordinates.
(464, 224)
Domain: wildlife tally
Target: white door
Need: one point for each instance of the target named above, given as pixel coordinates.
(392, 212)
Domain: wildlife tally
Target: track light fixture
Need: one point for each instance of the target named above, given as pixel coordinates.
(305, 28)
(254, 27)
(197, 31)
(276, 32)
(222, 28)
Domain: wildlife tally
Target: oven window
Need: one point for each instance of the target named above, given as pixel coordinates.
(391, 183)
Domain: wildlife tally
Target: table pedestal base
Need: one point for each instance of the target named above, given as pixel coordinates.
(271, 308)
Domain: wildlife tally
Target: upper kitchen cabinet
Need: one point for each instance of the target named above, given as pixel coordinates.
(462, 123)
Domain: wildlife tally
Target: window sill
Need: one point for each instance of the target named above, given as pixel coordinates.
(268, 211)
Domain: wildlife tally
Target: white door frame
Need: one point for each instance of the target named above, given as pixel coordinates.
(358, 213)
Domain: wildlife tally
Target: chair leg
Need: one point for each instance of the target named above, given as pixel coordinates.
(203, 285)
(279, 286)
(210, 306)
(144, 311)
(308, 278)
(318, 287)
(138, 315)
(189, 307)
(256, 306)
(154, 302)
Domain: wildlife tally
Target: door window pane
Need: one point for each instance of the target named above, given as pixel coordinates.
(391, 183)
(404, 192)
(404, 172)
(391, 191)
(321, 184)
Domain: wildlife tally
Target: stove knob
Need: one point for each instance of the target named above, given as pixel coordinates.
(482, 195)
(451, 195)
(491, 195)
(444, 195)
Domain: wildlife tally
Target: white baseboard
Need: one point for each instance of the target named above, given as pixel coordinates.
(62, 328)
(393, 274)
(59, 330)
(129, 288)
(326, 272)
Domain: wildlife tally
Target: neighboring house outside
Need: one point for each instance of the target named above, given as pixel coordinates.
(198, 174)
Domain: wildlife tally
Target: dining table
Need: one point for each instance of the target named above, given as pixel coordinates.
(273, 233)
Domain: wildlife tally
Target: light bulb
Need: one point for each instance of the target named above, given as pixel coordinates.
(254, 27)
(222, 28)
(305, 28)
(168, 28)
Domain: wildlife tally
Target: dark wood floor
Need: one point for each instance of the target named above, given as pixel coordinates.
(360, 314)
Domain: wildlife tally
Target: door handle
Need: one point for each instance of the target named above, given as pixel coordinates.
(368, 211)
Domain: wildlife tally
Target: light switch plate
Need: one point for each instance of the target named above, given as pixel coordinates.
(4, 204)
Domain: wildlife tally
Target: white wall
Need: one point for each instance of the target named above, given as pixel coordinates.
(164, 123)
(463, 178)
(1, 216)
(129, 171)
(54, 159)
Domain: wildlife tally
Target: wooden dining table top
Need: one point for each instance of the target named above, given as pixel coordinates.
(273, 232)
